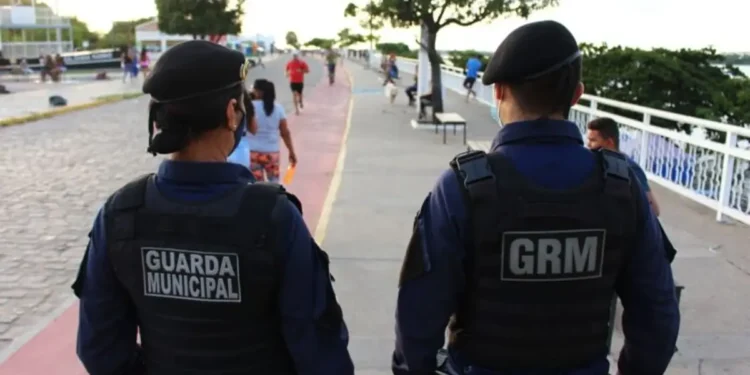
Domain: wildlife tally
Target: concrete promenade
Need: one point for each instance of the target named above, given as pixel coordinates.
(396, 167)
(363, 175)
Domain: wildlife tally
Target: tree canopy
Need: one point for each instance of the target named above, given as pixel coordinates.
(346, 38)
(684, 81)
(321, 43)
(82, 33)
(200, 18)
(459, 58)
(736, 58)
(292, 40)
(122, 33)
(370, 19)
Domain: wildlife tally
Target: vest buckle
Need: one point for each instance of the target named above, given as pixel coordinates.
(474, 167)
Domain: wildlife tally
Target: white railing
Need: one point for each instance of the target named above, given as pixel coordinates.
(712, 173)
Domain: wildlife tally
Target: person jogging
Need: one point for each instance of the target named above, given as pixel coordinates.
(296, 70)
(331, 59)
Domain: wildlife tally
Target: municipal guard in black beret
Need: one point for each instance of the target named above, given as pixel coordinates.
(521, 250)
(217, 274)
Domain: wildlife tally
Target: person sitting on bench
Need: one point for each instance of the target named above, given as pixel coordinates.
(425, 101)
(411, 92)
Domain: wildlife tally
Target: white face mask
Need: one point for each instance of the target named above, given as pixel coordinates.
(497, 107)
(499, 119)
(497, 113)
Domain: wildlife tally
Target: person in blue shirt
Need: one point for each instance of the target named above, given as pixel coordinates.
(473, 65)
(217, 274)
(604, 133)
(520, 252)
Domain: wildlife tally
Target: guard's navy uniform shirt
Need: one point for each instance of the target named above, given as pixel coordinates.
(551, 154)
(107, 322)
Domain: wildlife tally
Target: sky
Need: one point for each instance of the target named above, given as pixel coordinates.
(635, 23)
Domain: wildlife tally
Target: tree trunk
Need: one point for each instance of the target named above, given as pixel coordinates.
(195, 36)
(436, 72)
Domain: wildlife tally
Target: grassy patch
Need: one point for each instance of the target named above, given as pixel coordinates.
(101, 100)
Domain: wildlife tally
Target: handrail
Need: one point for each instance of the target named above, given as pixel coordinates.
(711, 173)
(708, 124)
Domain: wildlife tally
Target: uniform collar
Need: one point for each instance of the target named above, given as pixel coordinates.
(553, 131)
(204, 172)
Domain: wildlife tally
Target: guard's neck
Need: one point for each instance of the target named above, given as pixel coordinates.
(524, 117)
(197, 151)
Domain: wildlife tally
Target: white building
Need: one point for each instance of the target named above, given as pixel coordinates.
(30, 19)
(147, 35)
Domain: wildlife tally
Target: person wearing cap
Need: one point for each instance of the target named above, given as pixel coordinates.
(521, 251)
(217, 274)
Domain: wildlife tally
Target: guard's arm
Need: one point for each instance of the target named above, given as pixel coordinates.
(107, 319)
(651, 317)
(432, 277)
(641, 176)
(314, 330)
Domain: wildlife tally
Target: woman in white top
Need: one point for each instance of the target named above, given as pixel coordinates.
(272, 127)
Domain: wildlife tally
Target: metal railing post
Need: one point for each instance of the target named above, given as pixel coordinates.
(727, 174)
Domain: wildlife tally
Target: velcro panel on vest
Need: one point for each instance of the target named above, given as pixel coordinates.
(230, 228)
(122, 205)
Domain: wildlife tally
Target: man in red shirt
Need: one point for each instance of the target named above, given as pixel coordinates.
(296, 70)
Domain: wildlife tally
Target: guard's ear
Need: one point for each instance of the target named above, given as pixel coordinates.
(231, 112)
(578, 93)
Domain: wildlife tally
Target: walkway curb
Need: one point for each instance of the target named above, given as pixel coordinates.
(102, 100)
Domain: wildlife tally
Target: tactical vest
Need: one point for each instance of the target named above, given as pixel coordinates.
(204, 278)
(541, 264)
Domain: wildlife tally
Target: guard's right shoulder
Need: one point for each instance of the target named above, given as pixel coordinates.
(131, 195)
(280, 192)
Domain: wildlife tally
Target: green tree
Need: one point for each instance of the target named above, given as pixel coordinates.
(736, 58)
(292, 40)
(121, 34)
(683, 81)
(399, 49)
(81, 33)
(435, 15)
(346, 38)
(459, 58)
(321, 43)
(371, 20)
(200, 18)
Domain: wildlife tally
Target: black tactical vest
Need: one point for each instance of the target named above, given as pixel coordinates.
(541, 265)
(204, 278)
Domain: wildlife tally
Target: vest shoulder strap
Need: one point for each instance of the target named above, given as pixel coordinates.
(274, 189)
(615, 165)
(479, 186)
(472, 167)
(132, 195)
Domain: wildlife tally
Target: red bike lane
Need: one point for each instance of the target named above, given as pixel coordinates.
(318, 134)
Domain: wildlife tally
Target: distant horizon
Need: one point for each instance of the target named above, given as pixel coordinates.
(644, 24)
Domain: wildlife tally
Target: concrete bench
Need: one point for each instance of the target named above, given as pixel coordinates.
(479, 146)
(446, 119)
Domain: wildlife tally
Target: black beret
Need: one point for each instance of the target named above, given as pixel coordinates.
(531, 51)
(195, 68)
